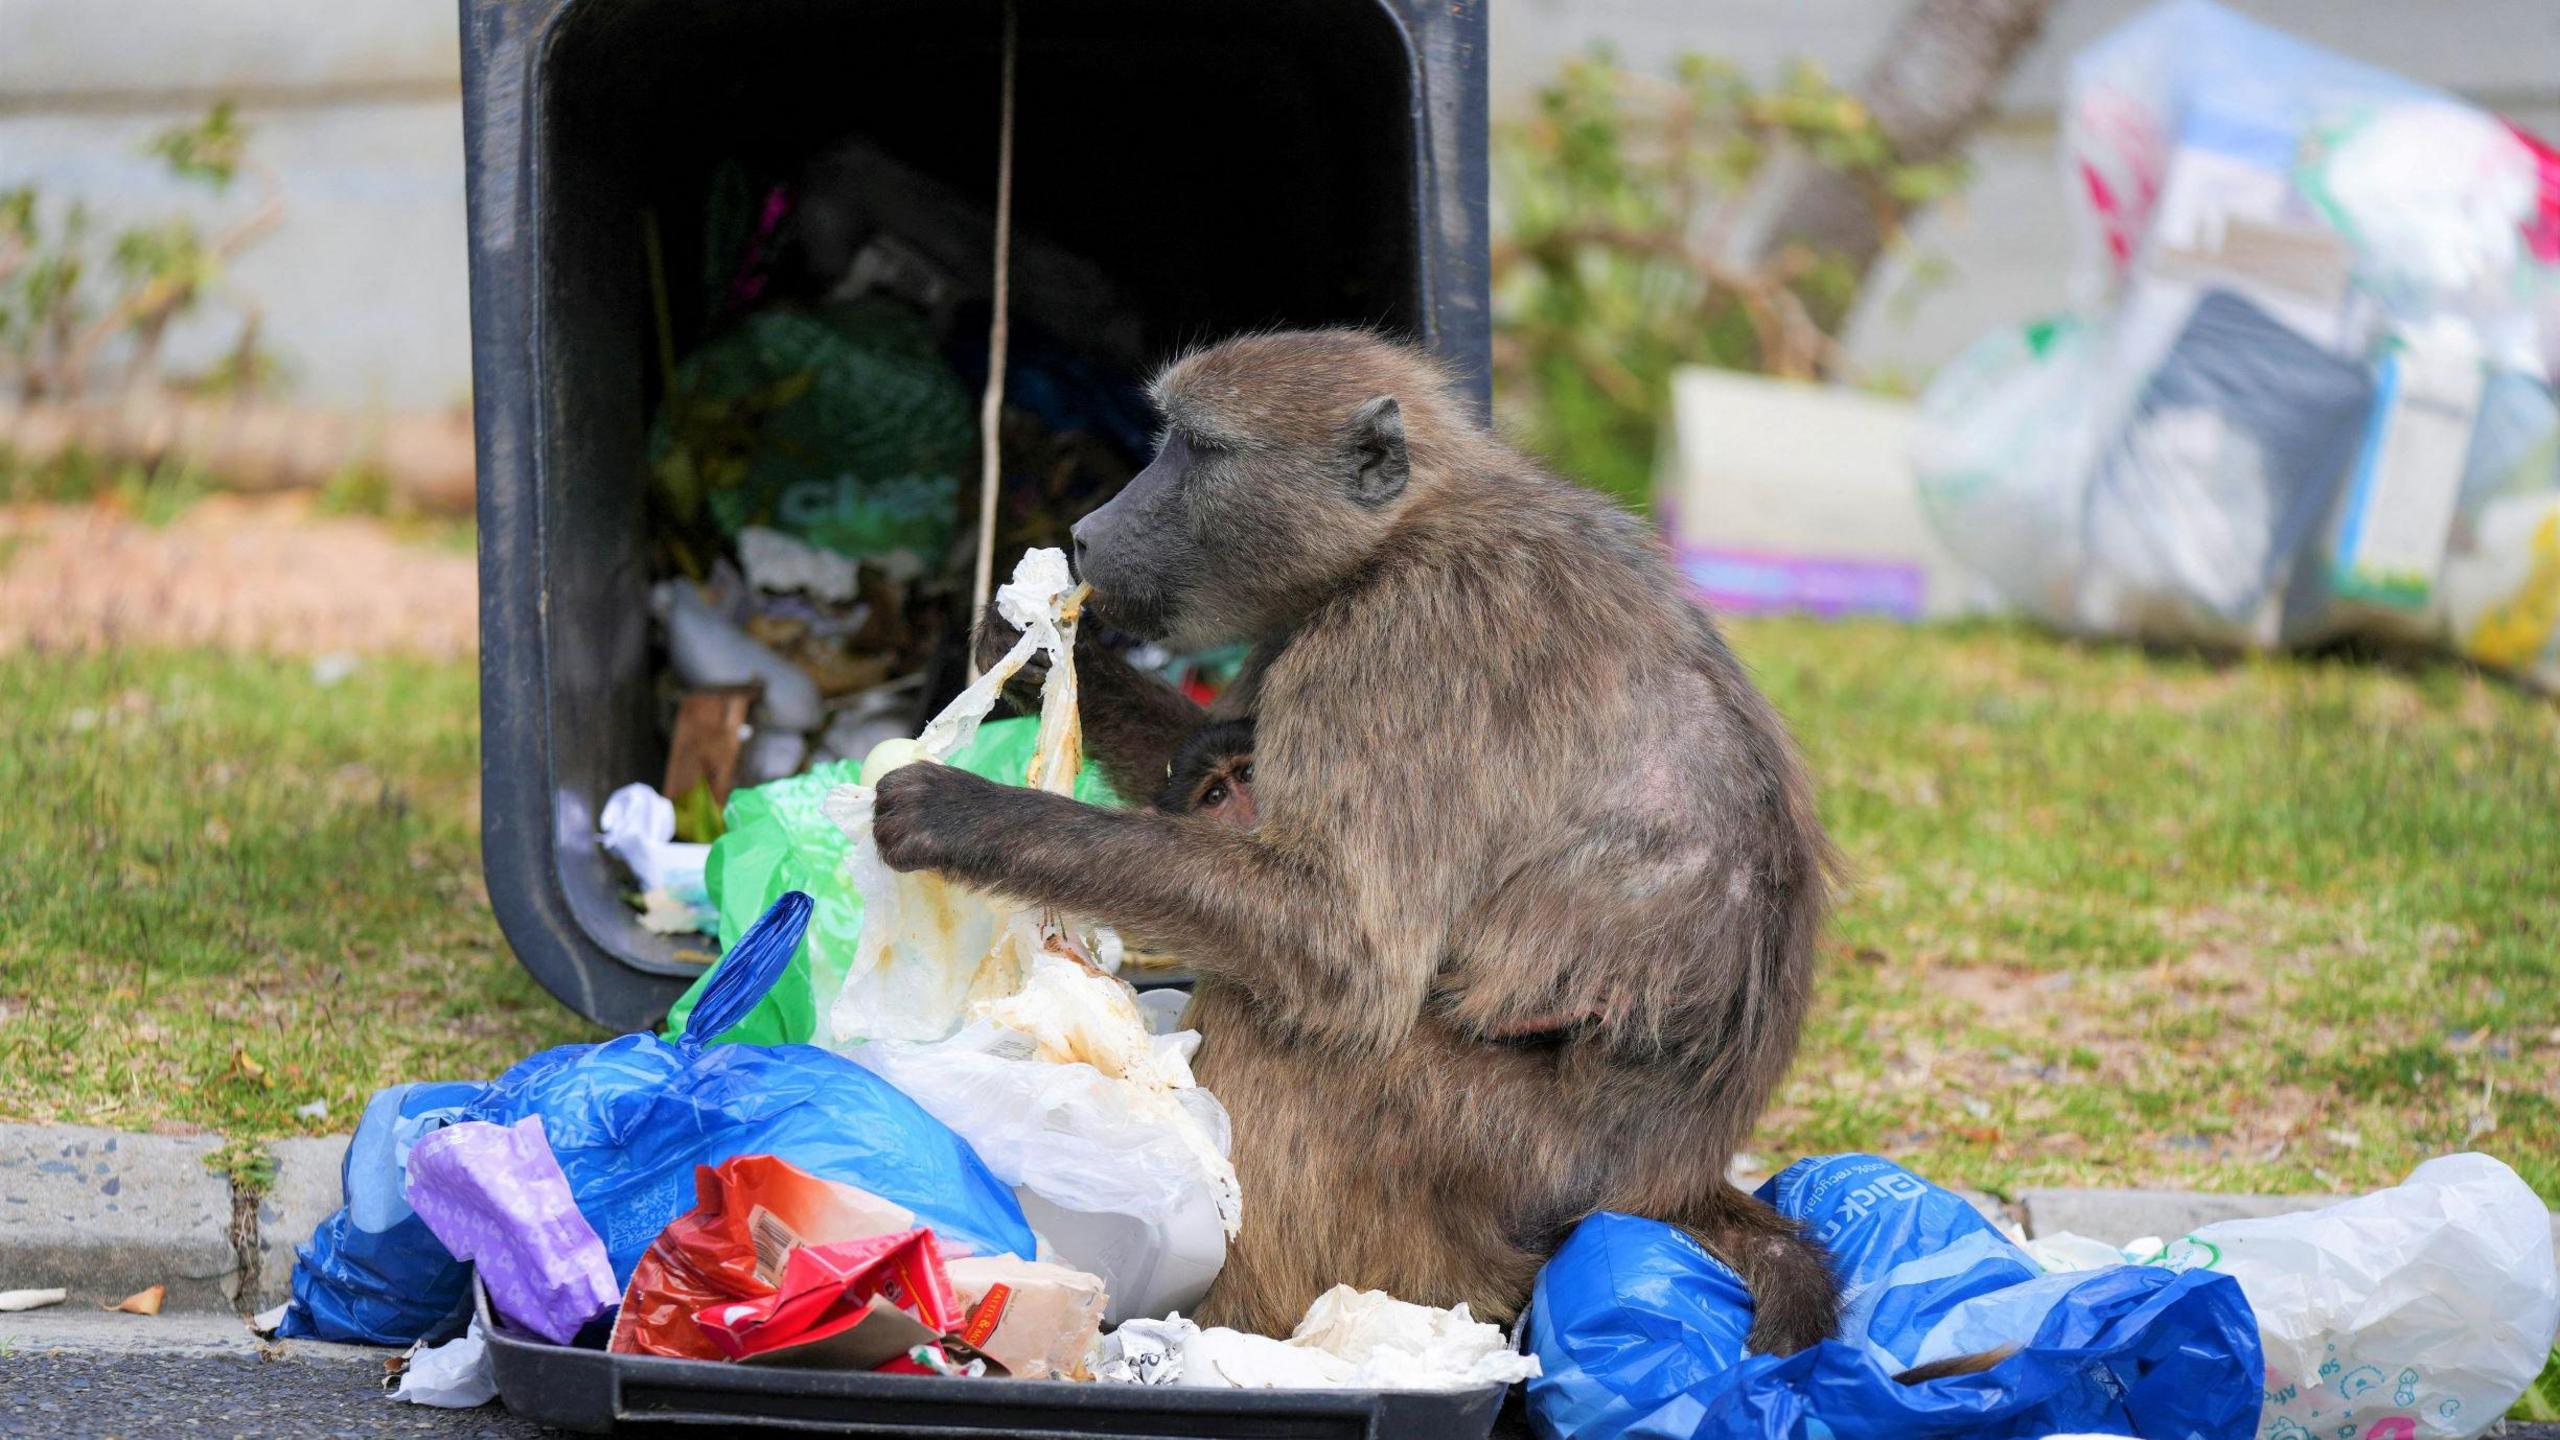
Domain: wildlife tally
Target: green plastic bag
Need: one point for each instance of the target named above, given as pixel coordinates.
(839, 426)
(777, 840)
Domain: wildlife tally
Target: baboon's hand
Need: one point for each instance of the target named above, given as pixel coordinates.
(928, 817)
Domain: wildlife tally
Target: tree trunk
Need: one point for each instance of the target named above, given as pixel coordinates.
(1934, 80)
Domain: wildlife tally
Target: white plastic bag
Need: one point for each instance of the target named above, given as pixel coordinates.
(929, 948)
(2001, 456)
(2415, 1313)
(1119, 1158)
(1126, 1178)
(456, 1375)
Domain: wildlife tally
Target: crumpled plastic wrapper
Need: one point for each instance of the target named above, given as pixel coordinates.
(1349, 1339)
(749, 1212)
(495, 1195)
(455, 1375)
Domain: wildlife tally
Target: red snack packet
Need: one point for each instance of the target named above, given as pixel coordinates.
(859, 1304)
(749, 1214)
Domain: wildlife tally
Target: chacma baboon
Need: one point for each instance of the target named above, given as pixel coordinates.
(1211, 774)
(1505, 772)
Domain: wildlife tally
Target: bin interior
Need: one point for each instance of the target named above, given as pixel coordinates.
(1228, 166)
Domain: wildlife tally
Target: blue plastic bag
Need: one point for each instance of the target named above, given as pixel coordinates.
(1640, 1332)
(373, 1272)
(630, 1119)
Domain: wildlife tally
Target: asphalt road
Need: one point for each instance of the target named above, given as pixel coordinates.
(137, 1397)
(107, 1377)
(91, 1376)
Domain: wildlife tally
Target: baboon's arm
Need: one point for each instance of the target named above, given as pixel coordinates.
(1133, 721)
(1324, 945)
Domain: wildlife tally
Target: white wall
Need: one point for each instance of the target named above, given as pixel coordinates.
(356, 103)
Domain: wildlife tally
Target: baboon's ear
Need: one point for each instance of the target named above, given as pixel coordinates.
(1377, 451)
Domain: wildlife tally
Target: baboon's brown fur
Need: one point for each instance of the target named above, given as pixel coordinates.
(1505, 770)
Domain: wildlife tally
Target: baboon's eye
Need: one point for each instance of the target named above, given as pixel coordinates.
(1244, 773)
(1214, 796)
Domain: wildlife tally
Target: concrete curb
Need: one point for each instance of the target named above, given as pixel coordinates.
(104, 1214)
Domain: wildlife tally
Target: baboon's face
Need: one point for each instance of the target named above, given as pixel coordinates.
(1230, 534)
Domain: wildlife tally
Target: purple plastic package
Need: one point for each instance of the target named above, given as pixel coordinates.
(495, 1196)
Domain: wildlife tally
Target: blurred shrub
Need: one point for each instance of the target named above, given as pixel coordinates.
(1622, 198)
(64, 301)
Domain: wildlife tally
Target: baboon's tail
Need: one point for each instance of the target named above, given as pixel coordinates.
(1973, 1364)
(1795, 1299)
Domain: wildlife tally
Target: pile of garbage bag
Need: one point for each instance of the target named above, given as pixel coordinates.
(997, 1152)
(2307, 395)
(997, 1162)
(628, 1121)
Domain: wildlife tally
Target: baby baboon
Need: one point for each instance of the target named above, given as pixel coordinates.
(1212, 775)
(1506, 775)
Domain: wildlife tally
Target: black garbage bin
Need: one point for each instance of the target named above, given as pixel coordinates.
(1230, 164)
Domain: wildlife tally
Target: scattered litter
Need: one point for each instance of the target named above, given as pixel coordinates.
(335, 666)
(452, 1376)
(1642, 1331)
(606, 1109)
(1126, 1180)
(373, 1273)
(316, 1110)
(780, 564)
(708, 650)
(868, 1304)
(1145, 1352)
(31, 1299)
(930, 947)
(777, 840)
(1350, 1339)
(1398, 1345)
(146, 1301)
(2420, 1312)
(1119, 1157)
(777, 1266)
(664, 914)
(2310, 396)
(2065, 1252)
(495, 1195)
(1038, 1320)
(711, 732)
(638, 828)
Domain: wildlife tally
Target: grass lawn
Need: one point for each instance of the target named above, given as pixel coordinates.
(228, 891)
(2115, 919)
